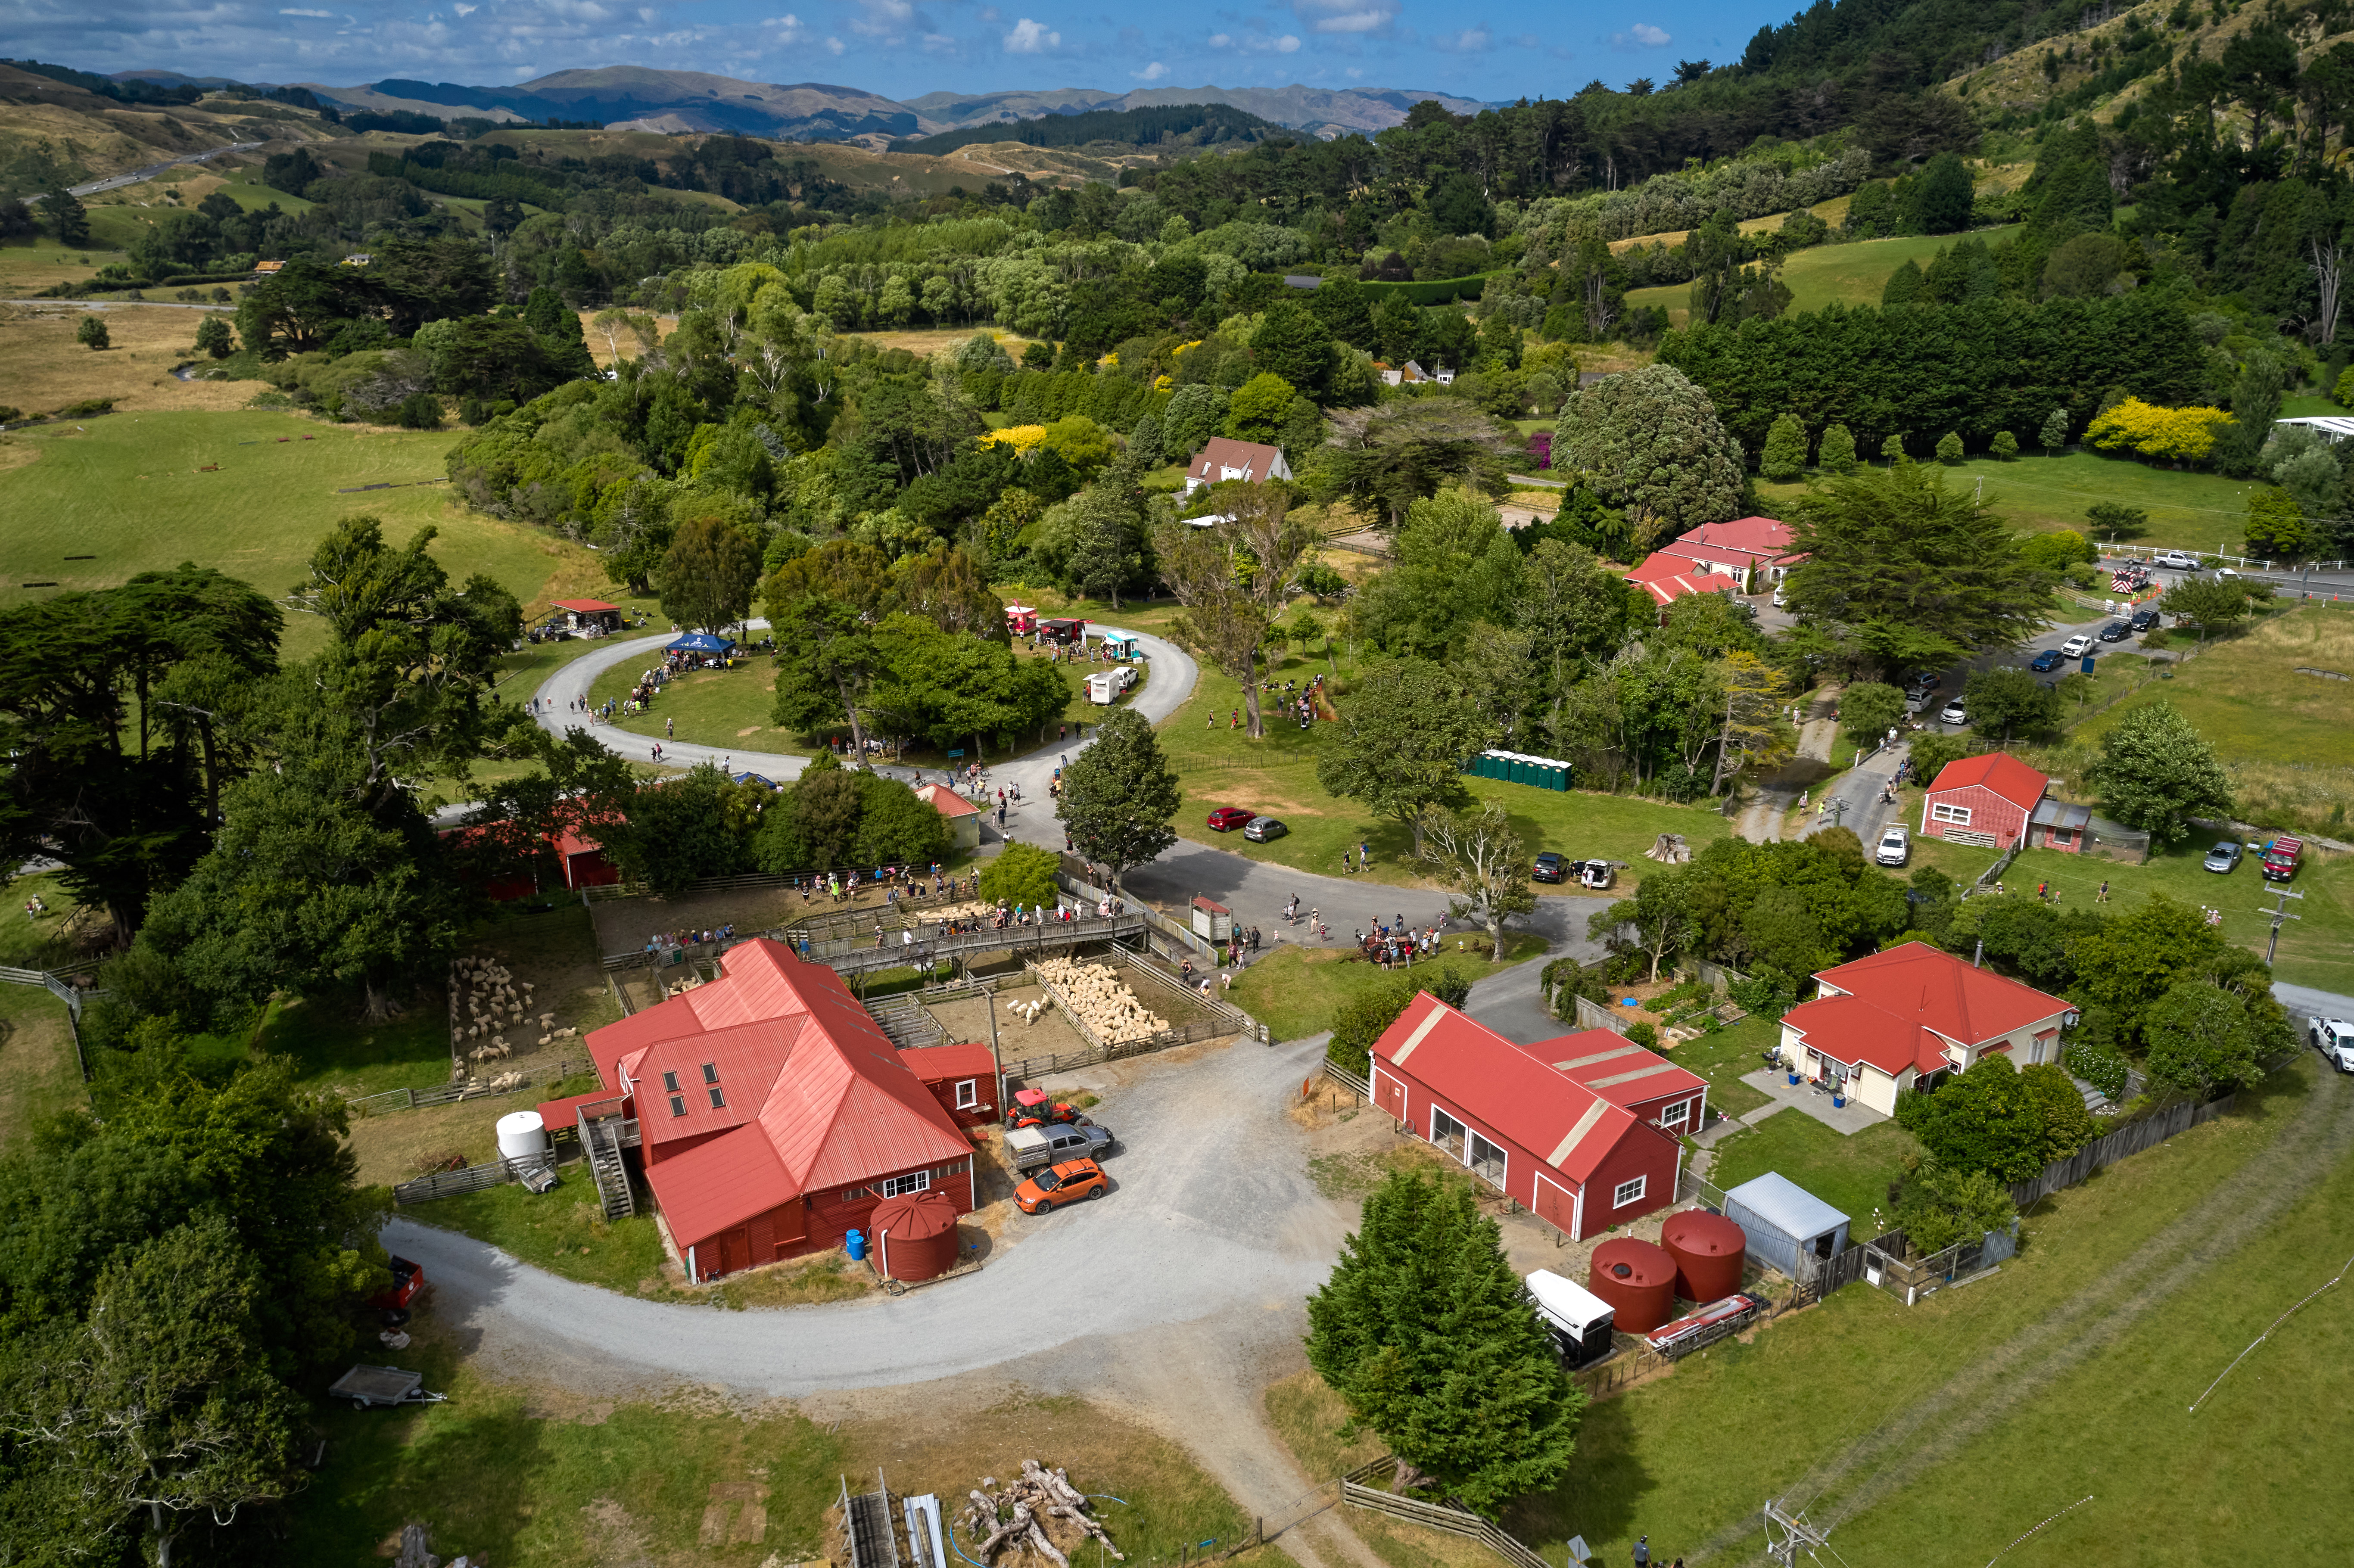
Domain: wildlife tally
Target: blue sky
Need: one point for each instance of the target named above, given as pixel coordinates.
(902, 48)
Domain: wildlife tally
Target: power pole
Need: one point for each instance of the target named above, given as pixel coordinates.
(2279, 911)
(1795, 1533)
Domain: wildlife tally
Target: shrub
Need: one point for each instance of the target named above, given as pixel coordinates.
(2006, 445)
(2099, 1065)
(1785, 455)
(1022, 874)
(419, 411)
(2152, 431)
(1942, 1206)
(1643, 1034)
(1837, 454)
(92, 334)
(1949, 449)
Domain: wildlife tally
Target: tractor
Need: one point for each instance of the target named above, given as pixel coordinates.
(1031, 1108)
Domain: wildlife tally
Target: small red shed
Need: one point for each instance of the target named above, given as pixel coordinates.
(1560, 1148)
(963, 1078)
(1992, 800)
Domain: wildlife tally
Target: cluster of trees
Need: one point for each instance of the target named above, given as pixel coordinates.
(706, 824)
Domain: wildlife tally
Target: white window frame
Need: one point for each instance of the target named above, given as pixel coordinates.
(900, 1186)
(1472, 1140)
(1676, 1114)
(968, 1093)
(1959, 816)
(1620, 1197)
(1438, 1111)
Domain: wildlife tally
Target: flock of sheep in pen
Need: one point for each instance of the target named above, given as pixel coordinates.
(484, 999)
(1097, 999)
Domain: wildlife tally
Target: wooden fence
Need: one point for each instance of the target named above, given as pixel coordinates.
(471, 1179)
(451, 1093)
(1451, 1517)
(1348, 1080)
(2129, 1139)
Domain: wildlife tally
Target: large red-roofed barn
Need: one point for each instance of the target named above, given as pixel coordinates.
(1583, 1131)
(773, 1112)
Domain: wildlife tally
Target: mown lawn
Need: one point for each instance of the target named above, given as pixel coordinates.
(39, 1075)
(1295, 990)
(2041, 492)
(1850, 1174)
(711, 707)
(1827, 274)
(1723, 1057)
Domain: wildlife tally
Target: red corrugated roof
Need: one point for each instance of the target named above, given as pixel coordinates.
(1561, 1122)
(1615, 1067)
(938, 1064)
(947, 801)
(1896, 1005)
(1668, 579)
(2000, 771)
(584, 606)
(1256, 459)
(1751, 536)
(813, 1089)
(1689, 549)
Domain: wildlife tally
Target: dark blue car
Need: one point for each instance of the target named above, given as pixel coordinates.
(2049, 659)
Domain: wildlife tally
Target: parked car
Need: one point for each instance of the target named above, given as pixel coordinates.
(1596, 876)
(2224, 857)
(2076, 647)
(1895, 844)
(1226, 819)
(1954, 711)
(1924, 681)
(2144, 621)
(1549, 868)
(1032, 1148)
(2117, 632)
(2280, 856)
(1064, 1183)
(2334, 1038)
(1917, 701)
(1264, 830)
(2176, 560)
(2049, 659)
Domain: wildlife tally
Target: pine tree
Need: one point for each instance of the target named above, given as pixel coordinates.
(1837, 454)
(1424, 1330)
(1949, 449)
(1119, 796)
(1893, 449)
(2006, 445)
(67, 216)
(1784, 457)
(2054, 434)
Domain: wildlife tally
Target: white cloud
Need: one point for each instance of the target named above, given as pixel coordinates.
(1648, 36)
(464, 10)
(834, 45)
(884, 19)
(1152, 72)
(1346, 16)
(1255, 43)
(292, 11)
(1471, 41)
(1221, 41)
(1029, 37)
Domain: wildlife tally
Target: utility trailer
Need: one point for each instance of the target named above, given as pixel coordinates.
(368, 1387)
(1579, 1320)
(1712, 1322)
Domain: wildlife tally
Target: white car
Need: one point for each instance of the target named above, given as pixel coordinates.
(1895, 844)
(2177, 561)
(1954, 712)
(2076, 647)
(2334, 1038)
(1916, 702)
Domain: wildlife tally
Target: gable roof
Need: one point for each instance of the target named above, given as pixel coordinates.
(2000, 771)
(1566, 1124)
(945, 801)
(938, 1064)
(1615, 1067)
(814, 1094)
(1692, 549)
(584, 606)
(1897, 1009)
(1255, 460)
(1751, 537)
(1668, 579)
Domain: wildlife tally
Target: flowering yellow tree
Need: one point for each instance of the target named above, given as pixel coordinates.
(2179, 434)
(1023, 438)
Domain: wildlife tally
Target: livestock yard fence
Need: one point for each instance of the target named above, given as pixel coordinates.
(1224, 1018)
(1358, 1490)
(472, 1178)
(463, 1090)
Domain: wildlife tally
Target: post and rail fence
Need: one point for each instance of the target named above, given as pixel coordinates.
(472, 1179)
(469, 1089)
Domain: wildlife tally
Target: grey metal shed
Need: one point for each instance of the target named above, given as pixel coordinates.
(1783, 1220)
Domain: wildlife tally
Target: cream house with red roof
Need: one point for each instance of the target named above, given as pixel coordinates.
(1881, 1024)
(1254, 463)
(1747, 554)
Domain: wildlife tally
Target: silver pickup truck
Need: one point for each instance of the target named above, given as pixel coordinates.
(1032, 1147)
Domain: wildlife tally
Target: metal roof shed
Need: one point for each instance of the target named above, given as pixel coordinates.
(1782, 1220)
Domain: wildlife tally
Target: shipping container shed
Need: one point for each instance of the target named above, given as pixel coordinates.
(1519, 767)
(1783, 1220)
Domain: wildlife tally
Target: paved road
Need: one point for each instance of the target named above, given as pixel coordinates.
(119, 304)
(114, 182)
(2304, 1002)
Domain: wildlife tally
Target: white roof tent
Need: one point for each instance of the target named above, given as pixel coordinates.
(2331, 428)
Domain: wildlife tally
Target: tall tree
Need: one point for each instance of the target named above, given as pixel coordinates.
(1656, 921)
(1754, 731)
(1482, 861)
(709, 574)
(1650, 441)
(1404, 732)
(1399, 452)
(1910, 575)
(1208, 569)
(2005, 700)
(826, 659)
(69, 219)
(2155, 769)
(1426, 1331)
(1119, 796)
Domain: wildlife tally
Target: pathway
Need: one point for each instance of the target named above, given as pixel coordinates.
(1761, 820)
(114, 182)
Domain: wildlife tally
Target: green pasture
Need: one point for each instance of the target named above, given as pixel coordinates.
(1829, 274)
(725, 708)
(1295, 990)
(2042, 493)
(2248, 696)
(128, 490)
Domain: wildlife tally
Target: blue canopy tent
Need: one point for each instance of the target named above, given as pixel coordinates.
(700, 642)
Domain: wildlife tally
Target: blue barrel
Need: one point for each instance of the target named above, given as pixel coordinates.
(857, 1245)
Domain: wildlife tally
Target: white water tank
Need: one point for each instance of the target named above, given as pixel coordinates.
(521, 1135)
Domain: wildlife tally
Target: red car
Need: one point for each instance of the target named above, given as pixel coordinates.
(1226, 819)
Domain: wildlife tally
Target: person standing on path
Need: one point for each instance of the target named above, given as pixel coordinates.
(1642, 1551)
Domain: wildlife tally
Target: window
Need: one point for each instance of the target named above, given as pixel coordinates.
(678, 1105)
(896, 1186)
(1486, 1159)
(669, 1083)
(1627, 1193)
(711, 1072)
(967, 1094)
(856, 1194)
(1957, 815)
(718, 1101)
(2064, 835)
(1676, 1114)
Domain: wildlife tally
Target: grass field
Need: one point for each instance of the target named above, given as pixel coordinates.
(1850, 1174)
(39, 1075)
(43, 369)
(728, 708)
(2063, 1376)
(127, 489)
(1723, 1057)
(2042, 494)
(29, 267)
(1295, 991)
(1828, 274)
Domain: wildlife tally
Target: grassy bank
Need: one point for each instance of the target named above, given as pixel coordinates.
(1295, 990)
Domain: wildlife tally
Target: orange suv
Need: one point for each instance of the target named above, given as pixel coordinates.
(1060, 1184)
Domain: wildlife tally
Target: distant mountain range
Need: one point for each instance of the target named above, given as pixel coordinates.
(680, 102)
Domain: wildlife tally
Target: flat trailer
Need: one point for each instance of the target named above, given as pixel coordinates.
(368, 1387)
(1710, 1323)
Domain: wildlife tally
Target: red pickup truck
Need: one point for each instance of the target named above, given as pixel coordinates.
(2281, 858)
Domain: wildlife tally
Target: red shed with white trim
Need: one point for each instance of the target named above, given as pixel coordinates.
(1990, 800)
(1559, 1147)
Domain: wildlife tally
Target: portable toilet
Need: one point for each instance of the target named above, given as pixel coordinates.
(1579, 1320)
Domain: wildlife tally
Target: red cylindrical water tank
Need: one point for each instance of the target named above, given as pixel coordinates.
(1708, 1250)
(914, 1237)
(1638, 1279)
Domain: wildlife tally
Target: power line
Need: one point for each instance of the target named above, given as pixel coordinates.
(2006, 1551)
(2267, 1334)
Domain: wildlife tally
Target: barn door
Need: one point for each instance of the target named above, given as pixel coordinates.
(1389, 1095)
(735, 1251)
(1555, 1207)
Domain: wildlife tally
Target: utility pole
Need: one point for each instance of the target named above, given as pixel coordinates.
(1795, 1533)
(2279, 911)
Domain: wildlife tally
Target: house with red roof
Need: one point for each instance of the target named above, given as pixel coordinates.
(1994, 800)
(1669, 577)
(587, 615)
(1752, 554)
(1583, 1131)
(963, 816)
(1226, 458)
(773, 1112)
(1893, 1021)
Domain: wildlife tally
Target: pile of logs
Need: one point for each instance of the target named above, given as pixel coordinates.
(1099, 999)
(1018, 1515)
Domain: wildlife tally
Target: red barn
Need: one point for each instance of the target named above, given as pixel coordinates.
(1561, 1127)
(773, 1112)
(1994, 799)
(963, 1078)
